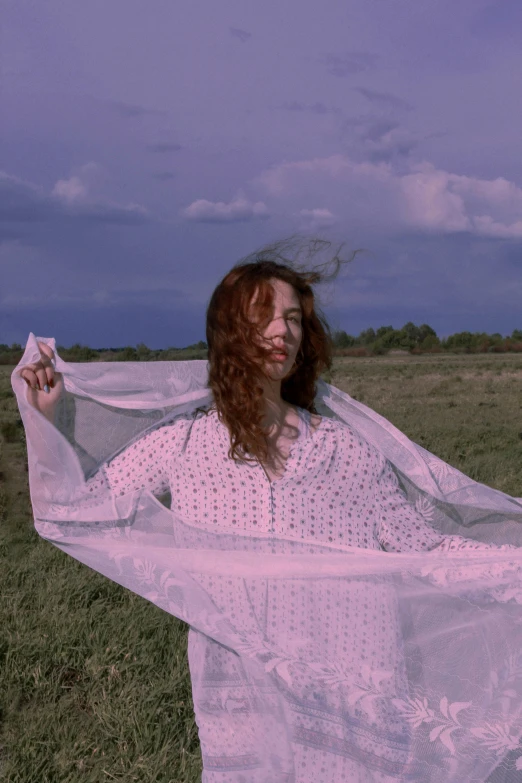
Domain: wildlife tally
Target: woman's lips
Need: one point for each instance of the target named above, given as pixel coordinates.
(279, 357)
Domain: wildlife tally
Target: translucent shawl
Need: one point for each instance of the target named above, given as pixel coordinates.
(448, 710)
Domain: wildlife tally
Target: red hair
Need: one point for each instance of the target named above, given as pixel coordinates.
(236, 360)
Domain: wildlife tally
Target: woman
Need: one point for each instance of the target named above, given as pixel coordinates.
(260, 461)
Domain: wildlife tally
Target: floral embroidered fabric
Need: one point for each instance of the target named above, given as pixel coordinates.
(359, 618)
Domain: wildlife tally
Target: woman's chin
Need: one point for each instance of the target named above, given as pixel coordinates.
(278, 370)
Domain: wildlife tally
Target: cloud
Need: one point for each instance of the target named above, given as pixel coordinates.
(84, 186)
(131, 110)
(451, 202)
(73, 197)
(164, 176)
(283, 178)
(243, 35)
(380, 138)
(393, 143)
(490, 228)
(36, 301)
(386, 98)
(70, 189)
(23, 202)
(315, 219)
(236, 211)
(92, 299)
(428, 202)
(128, 215)
(423, 198)
(164, 146)
(314, 108)
(349, 63)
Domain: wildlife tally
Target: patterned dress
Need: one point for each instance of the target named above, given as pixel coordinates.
(336, 488)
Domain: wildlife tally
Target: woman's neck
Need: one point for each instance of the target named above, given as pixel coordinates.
(276, 409)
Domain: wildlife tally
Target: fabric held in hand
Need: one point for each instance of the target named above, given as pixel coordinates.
(357, 619)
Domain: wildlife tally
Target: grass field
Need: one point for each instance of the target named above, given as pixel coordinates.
(94, 682)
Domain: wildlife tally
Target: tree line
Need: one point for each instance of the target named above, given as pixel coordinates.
(411, 338)
(424, 339)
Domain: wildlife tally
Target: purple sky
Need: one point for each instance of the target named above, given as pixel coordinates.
(147, 147)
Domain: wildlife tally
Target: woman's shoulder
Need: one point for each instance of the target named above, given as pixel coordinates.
(329, 423)
(316, 421)
(348, 435)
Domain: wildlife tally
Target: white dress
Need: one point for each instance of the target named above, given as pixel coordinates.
(336, 488)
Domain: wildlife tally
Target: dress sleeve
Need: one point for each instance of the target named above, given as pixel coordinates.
(144, 464)
(400, 527)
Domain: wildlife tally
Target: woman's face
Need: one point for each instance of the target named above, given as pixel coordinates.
(283, 330)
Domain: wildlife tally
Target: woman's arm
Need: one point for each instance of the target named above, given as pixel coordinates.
(400, 527)
(145, 463)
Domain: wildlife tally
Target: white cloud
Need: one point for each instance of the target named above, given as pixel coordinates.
(238, 210)
(486, 226)
(80, 184)
(422, 197)
(23, 203)
(283, 178)
(453, 202)
(70, 189)
(429, 203)
(317, 218)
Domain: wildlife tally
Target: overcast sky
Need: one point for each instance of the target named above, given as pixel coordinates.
(147, 146)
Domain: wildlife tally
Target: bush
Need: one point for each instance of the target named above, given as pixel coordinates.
(379, 347)
(360, 350)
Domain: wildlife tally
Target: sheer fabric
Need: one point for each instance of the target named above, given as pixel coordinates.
(357, 619)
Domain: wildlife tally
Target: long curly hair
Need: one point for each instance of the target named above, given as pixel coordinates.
(236, 360)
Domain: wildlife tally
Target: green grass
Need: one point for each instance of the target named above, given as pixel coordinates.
(467, 409)
(94, 682)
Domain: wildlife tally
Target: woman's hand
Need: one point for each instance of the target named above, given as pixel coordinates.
(41, 376)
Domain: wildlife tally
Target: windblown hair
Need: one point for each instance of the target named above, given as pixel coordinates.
(235, 359)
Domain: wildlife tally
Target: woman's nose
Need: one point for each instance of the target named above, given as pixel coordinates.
(279, 328)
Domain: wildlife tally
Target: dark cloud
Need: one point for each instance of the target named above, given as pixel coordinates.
(128, 321)
(164, 146)
(386, 140)
(23, 203)
(375, 131)
(130, 110)
(386, 151)
(243, 35)
(313, 108)
(349, 63)
(403, 266)
(380, 139)
(107, 213)
(164, 176)
(384, 98)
